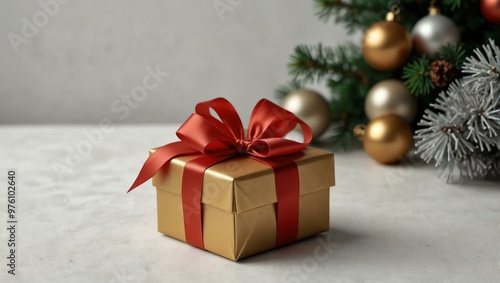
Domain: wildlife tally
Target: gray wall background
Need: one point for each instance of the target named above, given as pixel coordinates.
(85, 55)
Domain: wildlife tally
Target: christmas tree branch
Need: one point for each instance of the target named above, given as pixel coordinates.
(416, 74)
(314, 63)
(453, 54)
(354, 14)
(416, 77)
(453, 4)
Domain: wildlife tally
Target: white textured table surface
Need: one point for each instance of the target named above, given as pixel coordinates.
(388, 224)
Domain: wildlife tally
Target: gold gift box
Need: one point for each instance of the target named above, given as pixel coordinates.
(239, 202)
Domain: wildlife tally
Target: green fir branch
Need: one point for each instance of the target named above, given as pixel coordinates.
(342, 138)
(354, 14)
(453, 54)
(458, 4)
(345, 103)
(360, 14)
(453, 4)
(416, 77)
(314, 63)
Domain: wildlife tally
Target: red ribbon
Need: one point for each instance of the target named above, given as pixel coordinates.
(215, 140)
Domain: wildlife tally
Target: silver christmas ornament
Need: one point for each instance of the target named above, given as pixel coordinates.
(310, 107)
(390, 97)
(433, 32)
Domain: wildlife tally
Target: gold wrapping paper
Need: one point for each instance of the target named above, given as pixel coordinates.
(239, 202)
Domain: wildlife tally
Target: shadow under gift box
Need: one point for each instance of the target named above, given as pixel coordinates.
(239, 202)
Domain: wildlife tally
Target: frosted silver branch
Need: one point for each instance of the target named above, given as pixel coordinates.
(461, 136)
(484, 68)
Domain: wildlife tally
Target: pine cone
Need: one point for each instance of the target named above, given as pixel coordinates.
(442, 73)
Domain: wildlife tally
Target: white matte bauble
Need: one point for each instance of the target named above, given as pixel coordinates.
(433, 32)
(310, 107)
(390, 97)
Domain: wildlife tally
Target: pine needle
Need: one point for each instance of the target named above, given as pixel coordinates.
(416, 77)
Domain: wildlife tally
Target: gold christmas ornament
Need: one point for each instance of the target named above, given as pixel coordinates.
(387, 44)
(390, 97)
(386, 139)
(310, 107)
(434, 31)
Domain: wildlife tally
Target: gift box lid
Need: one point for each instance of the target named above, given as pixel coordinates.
(240, 183)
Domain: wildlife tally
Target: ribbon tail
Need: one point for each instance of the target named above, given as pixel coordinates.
(288, 193)
(156, 160)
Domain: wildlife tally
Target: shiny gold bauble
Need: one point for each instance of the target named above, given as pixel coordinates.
(387, 139)
(310, 107)
(386, 45)
(390, 97)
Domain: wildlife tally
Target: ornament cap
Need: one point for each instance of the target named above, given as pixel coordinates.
(433, 9)
(393, 14)
(359, 131)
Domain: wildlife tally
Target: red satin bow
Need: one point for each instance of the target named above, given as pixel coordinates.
(220, 139)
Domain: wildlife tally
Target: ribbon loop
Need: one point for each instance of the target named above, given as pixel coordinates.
(269, 123)
(206, 137)
(230, 120)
